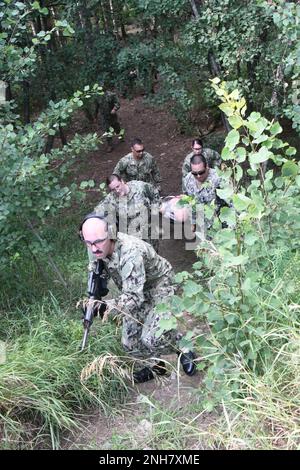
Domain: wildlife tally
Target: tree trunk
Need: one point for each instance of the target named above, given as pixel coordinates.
(49, 143)
(216, 70)
(62, 136)
(86, 24)
(103, 16)
(213, 64)
(26, 102)
(113, 17)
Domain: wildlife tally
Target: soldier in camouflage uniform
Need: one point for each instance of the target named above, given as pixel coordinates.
(212, 157)
(202, 183)
(138, 165)
(108, 104)
(131, 206)
(144, 279)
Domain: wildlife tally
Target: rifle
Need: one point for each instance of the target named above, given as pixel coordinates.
(97, 288)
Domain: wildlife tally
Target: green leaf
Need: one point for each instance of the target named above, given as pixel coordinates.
(225, 193)
(289, 169)
(227, 109)
(214, 315)
(35, 5)
(259, 157)
(182, 276)
(276, 128)
(238, 173)
(231, 260)
(231, 318)
(191, 288)
(241, 152)
(279, 182)
(226, 154)
(232, 139)
(162, 308)
(250, 239)
(166, 324)
(227, 214)
(291, 151)
(241, 202)
(235, 121)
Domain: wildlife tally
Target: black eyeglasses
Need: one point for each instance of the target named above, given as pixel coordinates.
(198, 173)
(95, 243)
(139, 151)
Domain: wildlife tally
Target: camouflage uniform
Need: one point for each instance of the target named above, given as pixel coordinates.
(133, 211)
(106, 103)
(144, 279)
(204, 192)
(144, 169)
(212, 157)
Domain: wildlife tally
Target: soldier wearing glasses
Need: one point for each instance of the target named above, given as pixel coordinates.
(212, 157)
(144, 279)
(138, 165)
(202, 183)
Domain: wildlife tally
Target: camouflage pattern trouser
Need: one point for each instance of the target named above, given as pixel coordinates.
(111, 121)
(138, 337)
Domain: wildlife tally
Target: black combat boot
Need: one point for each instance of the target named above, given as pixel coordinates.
(187, 362)
(148, 373)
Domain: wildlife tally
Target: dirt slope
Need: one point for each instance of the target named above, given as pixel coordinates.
(135, 426)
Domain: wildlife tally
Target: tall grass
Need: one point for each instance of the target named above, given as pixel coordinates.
(41, 394)
(40, 380)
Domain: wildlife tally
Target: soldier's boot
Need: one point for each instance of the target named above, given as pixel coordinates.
(148, 373)
(187, 362)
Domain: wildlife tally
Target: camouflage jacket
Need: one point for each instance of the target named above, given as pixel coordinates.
(212, 157)
(135, 268)
(144, 169)
(132, 212)
(107, 102)
(203, 192)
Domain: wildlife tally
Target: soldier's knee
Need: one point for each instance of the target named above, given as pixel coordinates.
(149, 341)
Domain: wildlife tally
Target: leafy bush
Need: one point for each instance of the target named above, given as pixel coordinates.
(247, 307)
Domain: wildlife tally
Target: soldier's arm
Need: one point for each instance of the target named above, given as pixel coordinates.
(213, 158)
(156, 174)
(152, 194)
(186, 167)
(105, 206)
(133, 277)
(120, 168)
(184, 185)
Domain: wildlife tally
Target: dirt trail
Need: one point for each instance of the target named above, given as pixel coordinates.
(158, 130)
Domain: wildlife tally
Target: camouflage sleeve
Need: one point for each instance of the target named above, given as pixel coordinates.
(156, 175)
(152, 194)
(184, 185)
(133, 277)
(186, 167)
(105, 206)
(120, 168)
(213, 158)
